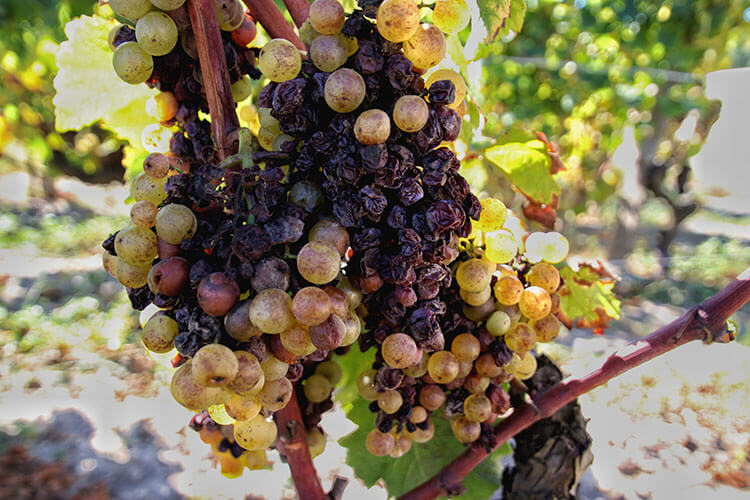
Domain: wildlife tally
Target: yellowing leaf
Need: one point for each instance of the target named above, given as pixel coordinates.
(88, 90)
(500, 17)
(587, 298)
(528, 166)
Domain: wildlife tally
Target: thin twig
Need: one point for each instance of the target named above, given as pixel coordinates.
(706, 322)
(292, 443)
(299, 9)
(271, 18)
(215, 74)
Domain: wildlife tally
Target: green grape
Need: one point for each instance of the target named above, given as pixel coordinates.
(155, 138)
(500, 246)
(296, 339)
(476, 384)
(243, 407)
(465, 347)
(332, 232)
(143, 214)
(156, 165)
(498, 323)
(423, 435)
(465, 431)
(149, 189)
(266, 137)
(318, 262)
(273, 368)
(451, 16)
(275, 394)
(327, 16)
(162, 107)
(544, 275)
(398, 20)
(379, 443)
(330, 370)
(418, 369)
(175, 223)
(311, 306)
(249, 374)
(426, 47)
(267, 120)
(508, 290)
(279, 60)
(443, 367)
(535, 303)
(130, 9)
(551, 247)
(344, 90)
(353, 296)
(418, 415)
(521, 338)
(390, 401)
(473, 275)
(486, 367)
(453, 76)
(547, 328)
(190, 394)
(132, 64)
(328, 53)
(271, 310)
(132, 275)
(410, 113)
(156, 33)
(136, 245)
(159, 332)
(372, 127)
(476, 298)
(526, 368)
(317, 388)
(109, 262)
(493, 215)
(229, 14)
(479, 313)
(477, 408)
(214, 365)
(241, 89)
(258, 433)
(353, 328)
(307, 33)
(365, 385)
(400, 351)
(168, 4)
(238, 325)
(316, 442)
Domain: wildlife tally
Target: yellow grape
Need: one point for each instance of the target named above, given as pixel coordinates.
(526, 368)
(500, 246)
(398, 20)
(551, 247)
(465, 347)
(443, 367)
(535, 303)
(316, 442)
(256, 433)
(493, 215)
(279, 60)
(149, 189)
(476, 298)
(464, 430)
(426, 47)
(451, 16)
(453, 76)
(521, 338)
(218, 414)
(486, 367)
(473, 275)
(547, 328)
(155, 138)
(508, 290)
(477, 408)
(379, 443)
(544, 275)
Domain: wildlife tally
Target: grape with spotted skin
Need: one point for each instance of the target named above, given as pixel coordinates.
(426, 47)
(279, 60)
(410, 113)
(132, 64)
(159, 332)
(326, 16)
(372, 127)
(379, 443)
(156, 33)
(443, 367)
(398, 20)
(258, 433)
(344, 90)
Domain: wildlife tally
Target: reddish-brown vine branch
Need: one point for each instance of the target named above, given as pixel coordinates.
(299, 10)
(706, 322)
(271, 18)
(215, 74)
(292, 443)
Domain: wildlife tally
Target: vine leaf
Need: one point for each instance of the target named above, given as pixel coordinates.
(587, 299)
(500, 17)
(421, 462)
(529, 167)
(88, 90)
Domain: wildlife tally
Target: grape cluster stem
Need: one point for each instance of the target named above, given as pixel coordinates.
(706, 322)
(270, 17)
(224, 121)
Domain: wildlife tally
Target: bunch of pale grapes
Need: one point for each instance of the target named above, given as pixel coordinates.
(156, 45)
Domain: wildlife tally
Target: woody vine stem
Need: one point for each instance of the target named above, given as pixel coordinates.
(707, 321)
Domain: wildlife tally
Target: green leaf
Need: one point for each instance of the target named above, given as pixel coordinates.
(422, 462)
(500, 17)
(587, 298)
(88, 90)
(527, 164)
